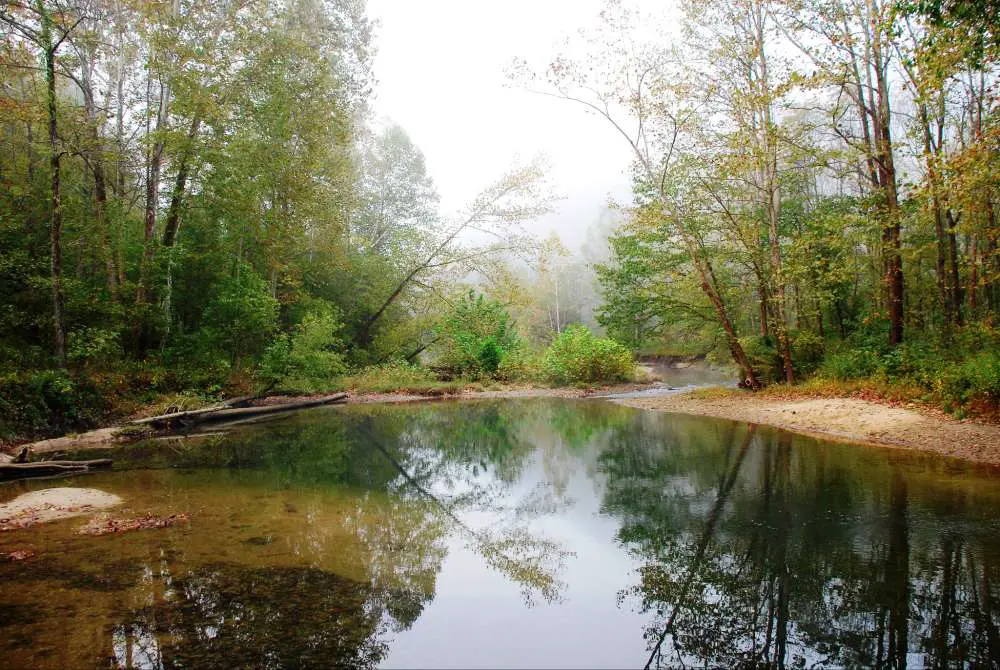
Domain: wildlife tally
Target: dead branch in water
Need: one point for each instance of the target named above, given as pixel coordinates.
(215, 414)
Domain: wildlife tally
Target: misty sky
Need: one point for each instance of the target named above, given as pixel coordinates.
(440, 71)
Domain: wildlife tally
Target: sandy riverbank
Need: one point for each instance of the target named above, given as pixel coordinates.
(843, 419)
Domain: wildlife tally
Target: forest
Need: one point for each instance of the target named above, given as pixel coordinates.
(197, 200)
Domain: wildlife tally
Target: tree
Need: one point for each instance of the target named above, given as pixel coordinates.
(638, 88)
(496, 213)
(475, 336)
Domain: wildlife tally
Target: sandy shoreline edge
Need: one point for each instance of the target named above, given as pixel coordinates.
(838, 419)
(843, 420)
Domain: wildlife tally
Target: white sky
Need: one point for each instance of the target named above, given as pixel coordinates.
(440, 71)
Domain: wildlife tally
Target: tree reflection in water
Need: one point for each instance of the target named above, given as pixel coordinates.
(757, 552)
(418, 473)
(316, 540)
(227, 616)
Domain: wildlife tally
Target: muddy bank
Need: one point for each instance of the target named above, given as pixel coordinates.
(843, 419)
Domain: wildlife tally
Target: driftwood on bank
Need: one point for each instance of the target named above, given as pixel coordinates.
(216, 414)
(228, 413)
(47, 468)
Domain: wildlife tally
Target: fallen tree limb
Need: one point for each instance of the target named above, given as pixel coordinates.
(211, 415)
(95, 463)
(48, 468)
(22, 470)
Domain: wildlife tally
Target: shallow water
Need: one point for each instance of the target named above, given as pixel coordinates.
(539, 532)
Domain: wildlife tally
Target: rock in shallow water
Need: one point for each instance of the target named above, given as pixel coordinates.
(51, 504)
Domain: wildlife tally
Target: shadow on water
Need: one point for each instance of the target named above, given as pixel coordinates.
(358, 536)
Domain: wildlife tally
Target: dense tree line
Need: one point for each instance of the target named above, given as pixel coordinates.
(803, 172)
(196, 193)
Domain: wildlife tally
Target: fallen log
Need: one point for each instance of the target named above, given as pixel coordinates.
(21, 470)
(211, 415)
(47, 468)
(95, 463)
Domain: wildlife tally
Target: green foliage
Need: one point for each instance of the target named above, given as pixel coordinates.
(311, 358)
(807, 351)
(764, 357)
(475, 337)
(850, 364)
(577, 356)
(397, 376)
(957, 374)
(49, 402)
(242, 315)
(975, 379)
(523, 365)
(89, 345)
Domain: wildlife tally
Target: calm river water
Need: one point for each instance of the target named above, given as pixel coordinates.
(531, 533)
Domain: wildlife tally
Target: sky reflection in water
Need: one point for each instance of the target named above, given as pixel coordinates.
(515, 533)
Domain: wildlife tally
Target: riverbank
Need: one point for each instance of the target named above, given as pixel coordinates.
(111, 436)
(845, 419)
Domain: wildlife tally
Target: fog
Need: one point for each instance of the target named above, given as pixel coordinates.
(440, 73)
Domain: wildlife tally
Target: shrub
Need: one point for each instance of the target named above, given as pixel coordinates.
(977, 378)
(475, 337)
(309, 359)
(391, 376)
(49, 402)
(523, 365)
(851, 364)
(764, 357)
(93, 345)
(578, 356)
(242, 316)
(807, 352)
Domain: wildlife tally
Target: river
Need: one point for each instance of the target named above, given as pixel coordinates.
(514, 533)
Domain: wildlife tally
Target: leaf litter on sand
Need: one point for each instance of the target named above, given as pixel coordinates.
(108, 526)
(52, 504)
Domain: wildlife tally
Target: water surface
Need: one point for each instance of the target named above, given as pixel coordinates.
(537, 532)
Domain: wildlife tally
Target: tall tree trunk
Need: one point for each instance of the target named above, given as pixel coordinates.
(769, 177)
(180, 184)
(96, 161)
(974, 276)
(991, 259)
(765, 329)
(930, 158)
(155, 163)
(887, 178)
(707, 277)
(957, 298)
(55, 158)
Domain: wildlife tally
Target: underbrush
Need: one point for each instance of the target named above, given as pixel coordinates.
(960, 377)
(48, 403)
(45, 403)
(399, 377)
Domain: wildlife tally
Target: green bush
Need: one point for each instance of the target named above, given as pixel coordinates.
(93, 346)
(311, 358)
(977, 378)
(523, 365)
(49, 402)
(764, 357)
(807, 352)
(475, 338)
(391, 376)
(578, 356)
(851, 364)
(242, 315)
